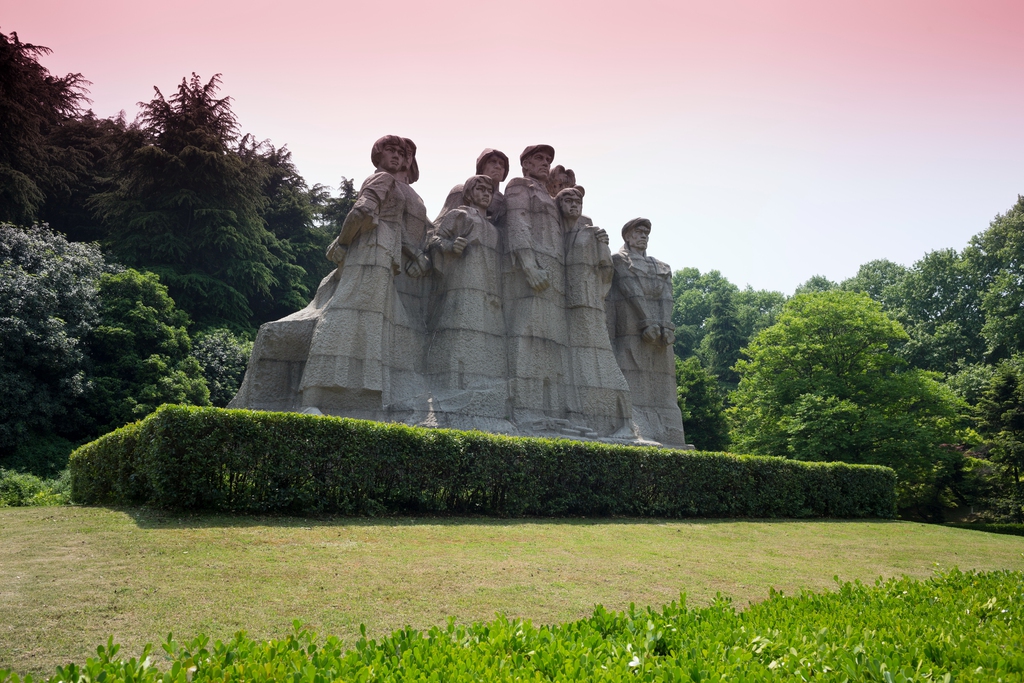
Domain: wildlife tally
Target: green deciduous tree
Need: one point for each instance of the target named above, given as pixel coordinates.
(48, 303)
(939, 303)
(824, 384)
(700, 402)
(223, 357)
(817, 283)
(877, 279)
(140, 352)
(995, 259)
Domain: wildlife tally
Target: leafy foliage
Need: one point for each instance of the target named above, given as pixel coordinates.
(21, 489)
(701, 405)
(996, 259)
(48, 303)
(817, 284)
(207, 458)
(222, 357)
(720, 347)
(958, 624)
(823, 384)
(1001, 421)
(140, 351)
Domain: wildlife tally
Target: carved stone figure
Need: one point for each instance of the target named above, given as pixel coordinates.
(601, 390)
(359, 363)
(507, 314)
(493, 164)
(466, 366)
(534, 288)
(642, 333)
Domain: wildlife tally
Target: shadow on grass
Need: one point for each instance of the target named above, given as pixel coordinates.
(152, 518)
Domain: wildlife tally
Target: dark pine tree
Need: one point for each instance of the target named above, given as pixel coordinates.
(189, 204)
(33, 103)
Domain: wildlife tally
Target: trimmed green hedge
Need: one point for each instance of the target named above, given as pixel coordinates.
(243, 461)
(954, 627)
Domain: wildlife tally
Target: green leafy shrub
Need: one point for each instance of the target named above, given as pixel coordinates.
(18, 489)
(222, 357)
(245, 461)
(48, 303)
(141, 351)
(963, 625)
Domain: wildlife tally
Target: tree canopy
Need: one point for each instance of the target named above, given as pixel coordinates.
(187, 205)
(824, 384)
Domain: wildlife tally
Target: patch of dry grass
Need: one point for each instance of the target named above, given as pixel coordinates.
(70, 576)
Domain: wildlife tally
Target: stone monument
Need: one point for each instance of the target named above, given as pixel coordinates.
(508, 313)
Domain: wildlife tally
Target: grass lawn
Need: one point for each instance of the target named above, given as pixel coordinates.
(70, 576)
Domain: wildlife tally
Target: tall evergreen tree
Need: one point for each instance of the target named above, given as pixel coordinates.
(33, 102)
(189, 205)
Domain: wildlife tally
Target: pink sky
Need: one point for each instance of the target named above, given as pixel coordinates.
(772, 140)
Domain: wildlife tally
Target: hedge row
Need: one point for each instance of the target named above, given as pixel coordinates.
(954, 627)
(257, 462)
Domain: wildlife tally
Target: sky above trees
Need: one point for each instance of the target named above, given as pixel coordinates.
(771, 141)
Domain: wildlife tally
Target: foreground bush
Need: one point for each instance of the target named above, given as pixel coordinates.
(957, 626)
(244, 461)
(19, 489)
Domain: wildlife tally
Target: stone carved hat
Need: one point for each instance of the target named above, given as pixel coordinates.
(467, 189)
(533, 149)
(487, 154)
(633, 224)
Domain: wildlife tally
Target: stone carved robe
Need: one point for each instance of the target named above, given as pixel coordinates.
(601, 389)
(354, 349)
(538, 336)
(466, 363)
(641, 295)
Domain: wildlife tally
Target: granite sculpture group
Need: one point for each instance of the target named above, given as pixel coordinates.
(508, 313)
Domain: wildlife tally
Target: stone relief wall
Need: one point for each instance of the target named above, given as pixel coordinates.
(508, 313)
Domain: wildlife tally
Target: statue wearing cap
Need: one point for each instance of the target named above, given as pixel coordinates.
(493, 164)
(534, 293)
(642, 334)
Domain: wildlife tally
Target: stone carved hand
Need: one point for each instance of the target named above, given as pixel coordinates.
(337, 253)
(602, 235)
(668, 337)
(537, 278)
(651, 334)
(419, 266)
(458, 245)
